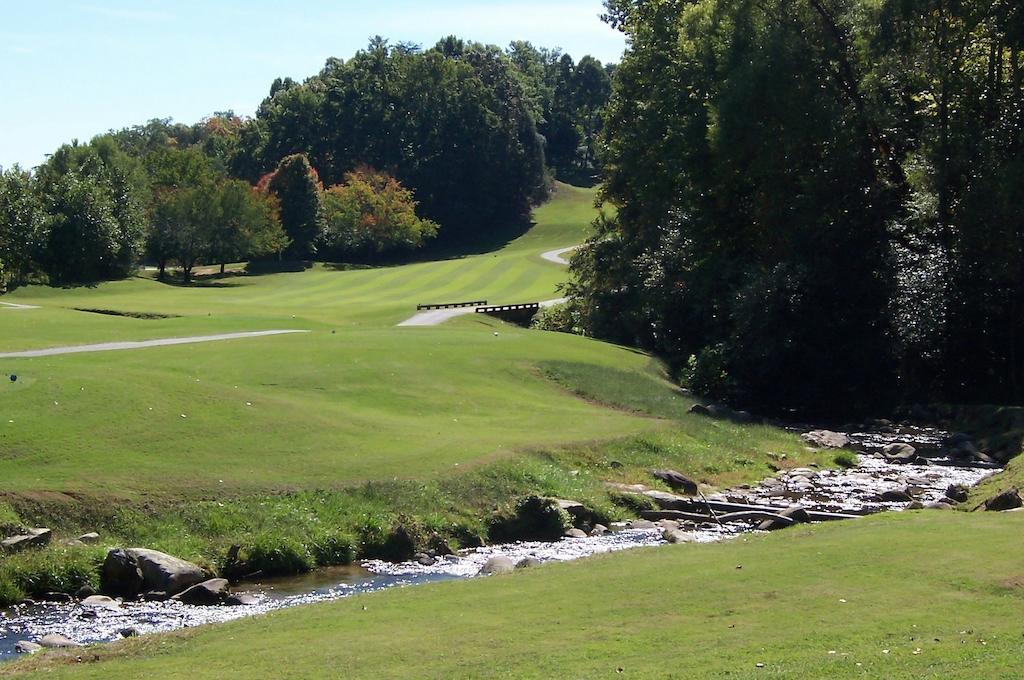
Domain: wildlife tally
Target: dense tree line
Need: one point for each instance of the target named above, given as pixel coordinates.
(817, 202)
(412, 145)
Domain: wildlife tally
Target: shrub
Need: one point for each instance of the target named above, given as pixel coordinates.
(277, 556)
(534, 518)
(845, 459)
(330, 549)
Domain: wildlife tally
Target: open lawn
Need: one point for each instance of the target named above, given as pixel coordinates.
(357, 398)
(884, 597)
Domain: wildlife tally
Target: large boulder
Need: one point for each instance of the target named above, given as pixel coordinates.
(900, 453)
(825, 439)
(577, 511)
(26, 647)
(499, 564)
(101, 602)
(211, 592)
(33, 538)
(1007, 500)
(56, 641)
(129, 572)
(958, 493)
(677, 481)
(668, 501)
(676, 536)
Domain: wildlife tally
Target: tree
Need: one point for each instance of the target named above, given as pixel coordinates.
(94, 196)
(372, 213)
(23, 226)
(247, 224)
(298, 189)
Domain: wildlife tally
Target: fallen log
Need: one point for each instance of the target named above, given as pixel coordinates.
(756, 516)
(655, 515)
(668, 501)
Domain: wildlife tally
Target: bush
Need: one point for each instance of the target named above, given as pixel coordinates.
(706, 373)
(633, 502)
(329, 549)
(845, 459)
(558, 318)
(277, 556)
(53, 570)
(534, 519)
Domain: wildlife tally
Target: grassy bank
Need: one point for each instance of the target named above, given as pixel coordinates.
(883, 597)
(300, 530)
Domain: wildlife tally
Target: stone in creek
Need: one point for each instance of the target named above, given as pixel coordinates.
(57, 597)
(576, 510)
(207, 593)
(939, 505)
(825, 439)
(895, 496)
(900, 453)
(499, 564)
(84, 592)
(642, 524)
(528, 563)
(101, 602)
(26, 647)
(915, 505)
(1007, 500)
(676, 481)
(57, 641)
(668, 501)
(796, 513)
(127, 572)
(34, 538)
(241, 599)
(91, 537)
(676, 536)
(128, 632)
(599, 530)
(575, 533)
(424, 559)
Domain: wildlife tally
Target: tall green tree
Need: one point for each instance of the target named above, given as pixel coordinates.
(297, 187)
(23, 226)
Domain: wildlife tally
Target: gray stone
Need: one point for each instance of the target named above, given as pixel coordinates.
(528, 563)
(958, 493)
(938, 505)
(900, 453)
(642, 524)
(895, 496)
(56, 641)
(575, 533)
(57, 597)
(26, 647)
(499, 564)
(699, 410)
(101, 602)
(211, 592)
(33, 538)
(128, 632)
(796, 513)
(599, 530)
(915, 505)
(84, 592)
(1007, 500)
(91, 537)
(825, 439)
(127, 572)
(677, 481)
(241, 600)
(576, 510)
(676, 536)
(424, 559)
(668, 501)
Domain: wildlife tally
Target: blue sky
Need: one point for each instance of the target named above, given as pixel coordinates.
(72, 69)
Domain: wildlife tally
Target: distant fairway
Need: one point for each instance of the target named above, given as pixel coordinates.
(356, 398)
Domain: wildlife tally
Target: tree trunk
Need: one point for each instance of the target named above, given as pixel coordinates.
(162, 264)
(222, 269)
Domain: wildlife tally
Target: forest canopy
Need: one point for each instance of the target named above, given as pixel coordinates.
(817, 201)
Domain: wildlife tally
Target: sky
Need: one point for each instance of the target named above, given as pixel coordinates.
(71, 70)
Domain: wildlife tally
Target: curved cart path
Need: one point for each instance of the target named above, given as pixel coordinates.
(115, 346)
(556, 255)
(11, 305)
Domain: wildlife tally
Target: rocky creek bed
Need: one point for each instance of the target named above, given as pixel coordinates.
(883, 477)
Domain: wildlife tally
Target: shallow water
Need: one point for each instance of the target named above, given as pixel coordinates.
(855, 490)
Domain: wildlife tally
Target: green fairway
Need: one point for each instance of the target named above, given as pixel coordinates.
(885, 597)
(357, 398)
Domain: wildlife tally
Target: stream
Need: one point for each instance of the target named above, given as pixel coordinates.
(856, 490)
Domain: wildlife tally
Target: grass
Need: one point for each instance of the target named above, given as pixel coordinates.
(316, 448)
(883, 597)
